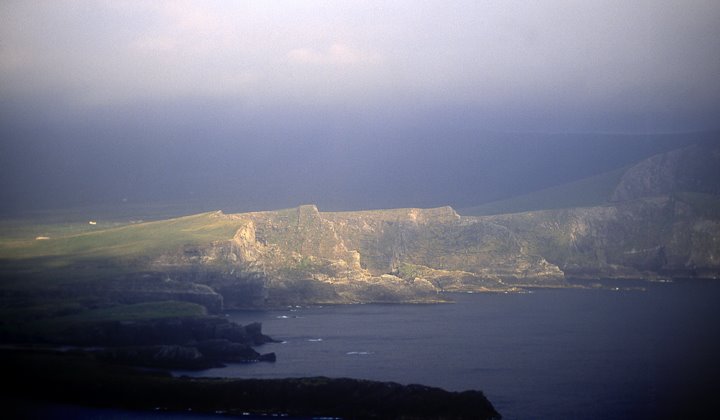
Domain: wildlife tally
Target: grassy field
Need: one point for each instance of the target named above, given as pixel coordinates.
(69, 243)
(46, 284)
(68, 221)
(40, 278)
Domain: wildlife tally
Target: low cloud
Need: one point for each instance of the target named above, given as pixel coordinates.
(593, 57)
(338, 54)
(155, 44)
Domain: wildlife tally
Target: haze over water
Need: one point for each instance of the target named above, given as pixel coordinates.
(270, 104)
(560, 354)
(257, 105)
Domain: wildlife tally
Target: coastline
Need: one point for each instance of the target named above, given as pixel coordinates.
(75, 378)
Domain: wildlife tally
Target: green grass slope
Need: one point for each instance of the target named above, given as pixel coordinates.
(141, 239)
(72, 277)
(587, 192)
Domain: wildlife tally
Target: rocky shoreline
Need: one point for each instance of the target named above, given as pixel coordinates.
(79, 378)
(190, 343)
(125, 364)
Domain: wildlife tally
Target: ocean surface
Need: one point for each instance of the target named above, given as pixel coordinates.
(611, 353)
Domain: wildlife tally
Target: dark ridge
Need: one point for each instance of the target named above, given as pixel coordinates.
(79, 379)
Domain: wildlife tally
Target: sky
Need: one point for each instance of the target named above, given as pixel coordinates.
(348, 104)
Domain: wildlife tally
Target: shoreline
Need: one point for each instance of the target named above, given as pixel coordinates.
(74, 378)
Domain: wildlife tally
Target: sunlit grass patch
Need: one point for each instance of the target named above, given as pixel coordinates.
(150, 238)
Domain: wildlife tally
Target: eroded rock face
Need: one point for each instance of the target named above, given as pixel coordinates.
(694, 168)
(653, 228)
(302, 255)
(180, 343)
(644, 238)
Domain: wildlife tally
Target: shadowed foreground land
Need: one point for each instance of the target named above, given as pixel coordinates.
(79, 379)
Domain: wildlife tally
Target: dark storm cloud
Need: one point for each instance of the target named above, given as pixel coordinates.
(347, 104)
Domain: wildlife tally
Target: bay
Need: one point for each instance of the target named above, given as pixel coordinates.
(550, 353)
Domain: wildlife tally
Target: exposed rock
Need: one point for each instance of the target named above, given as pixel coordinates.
(302, 255)
(309, 256)
(163, 331)
(153, 286)
(643, 238)
(255, 335)
(694, 168)
(181, 343)
(665, 221)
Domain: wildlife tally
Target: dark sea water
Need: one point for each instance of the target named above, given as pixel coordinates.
(548, 354)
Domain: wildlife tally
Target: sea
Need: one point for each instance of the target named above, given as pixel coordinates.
(626, 350)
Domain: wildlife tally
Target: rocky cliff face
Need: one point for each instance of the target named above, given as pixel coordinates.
(691, 169)
(664, 222)
(302, 255)
(645, 238)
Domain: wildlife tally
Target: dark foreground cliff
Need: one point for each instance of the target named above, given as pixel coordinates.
(168, 334)
(79, 379)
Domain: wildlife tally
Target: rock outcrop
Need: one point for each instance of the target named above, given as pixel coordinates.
(663, 220)
(694, 168)
(645, 238)
(177, 343)
(303, 255)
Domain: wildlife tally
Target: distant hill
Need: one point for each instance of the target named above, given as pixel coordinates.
(429, 167)
(592, 191)
(656, 219)
(693, 168)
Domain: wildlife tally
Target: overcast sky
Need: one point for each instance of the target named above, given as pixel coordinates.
(185, 90)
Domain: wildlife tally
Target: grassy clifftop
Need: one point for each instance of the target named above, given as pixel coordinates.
(125, 241)
(667, 224)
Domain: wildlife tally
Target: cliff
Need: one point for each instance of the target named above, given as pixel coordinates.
(647, 238)
(661, 220)
(348, 257)
(694, 168)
